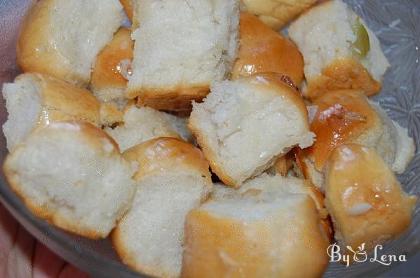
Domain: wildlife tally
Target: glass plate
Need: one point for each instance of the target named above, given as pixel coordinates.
(397, 24)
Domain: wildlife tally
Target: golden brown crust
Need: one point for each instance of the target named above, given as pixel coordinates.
(345, 73)
(166, 153)
(264, 50)
(128, 8)
(175, 100)
(364, 198)
(110, 115)
(277, 13)
(217, 246)
(93, 136)
(342, 116)
(62, 101)
(107, 70)
(36, 52)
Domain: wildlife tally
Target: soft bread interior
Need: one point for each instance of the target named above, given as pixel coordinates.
(246, 126)
(325, 33)
(80, 29)
(140, 125)
(150, 235)
(23, 103)
(190, 48)
(80, 187)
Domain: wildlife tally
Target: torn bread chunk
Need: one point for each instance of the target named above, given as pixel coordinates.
(277, 13)
(347, 116)
(176, 59)
(144, 123)
(128, 8)
(112, 69)
(249, 231)
(243, 126)
(364, 198)
(72, 175)
(35, 99)
(264, 50)
(62, 38)
(339, 50)
(173, 177)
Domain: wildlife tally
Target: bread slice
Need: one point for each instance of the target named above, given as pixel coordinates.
(347, 116)
(172, 178)
(112, 69)
(264, 50)
(249, 233)
(278, 13)
(176, 59)
(143, 124)
(339, 50)
(35, 99)
(243, 126)
(72, 175)
(364, 198)
(62, 38)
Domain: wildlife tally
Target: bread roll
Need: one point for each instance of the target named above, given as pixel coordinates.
(364, 198)
(112, 68)
(264, 50)
(277, 13)
(128, 8)
(144, 123)
(347, 116)
(270, 228)
(243, 126)
(339, 50)
(35, 99)
(72, 175)
(172, 178)
(176, 59)
(62, 38)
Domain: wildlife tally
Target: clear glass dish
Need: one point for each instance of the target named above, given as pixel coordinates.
(397, 24)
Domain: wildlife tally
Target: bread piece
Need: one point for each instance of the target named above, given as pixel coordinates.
(264, 50)
(339, 50)
(128, 8)
(277, 13)
(364, 198)
(72, 175)
(35, 99)
(243, 126)
(62, 38)
(112, 68)
(172, 178)
(250, 233)
(144, 123)
(347, 116)
(176, 59)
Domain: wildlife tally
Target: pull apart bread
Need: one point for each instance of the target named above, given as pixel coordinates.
(112, 69)
(177, 58)
(276, 13)
(339, 50)
(144, 123)
(364, 198)
(62, 38)
(173, 177)
(347, 116)
(72, 174)
(243, 126)
(264, 50)
(270, 227)
(35, 99)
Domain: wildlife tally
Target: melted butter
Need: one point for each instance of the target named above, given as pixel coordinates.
(341, 117)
